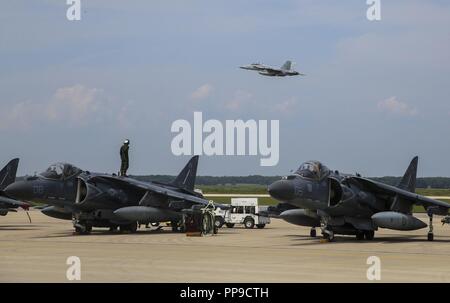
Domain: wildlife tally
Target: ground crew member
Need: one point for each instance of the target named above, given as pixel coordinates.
(124, 157)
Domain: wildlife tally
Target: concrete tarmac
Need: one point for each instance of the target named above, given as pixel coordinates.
(281, 252)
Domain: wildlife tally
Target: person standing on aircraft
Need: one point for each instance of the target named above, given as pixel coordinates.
(124, 157)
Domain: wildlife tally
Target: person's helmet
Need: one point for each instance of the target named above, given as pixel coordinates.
(126, 141)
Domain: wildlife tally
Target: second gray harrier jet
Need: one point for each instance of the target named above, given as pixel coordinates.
(352, 205)
(265, 70)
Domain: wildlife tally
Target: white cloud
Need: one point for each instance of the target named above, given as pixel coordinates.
(202, 92)
(75, 103)
(286, 106)
(240, 98)
(392, 105)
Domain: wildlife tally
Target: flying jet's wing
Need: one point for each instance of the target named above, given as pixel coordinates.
(272, 70)
(400, 195)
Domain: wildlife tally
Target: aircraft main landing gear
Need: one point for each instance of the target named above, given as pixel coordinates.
(328, 234)
(82, 228)
(312, 233)
(430, 235)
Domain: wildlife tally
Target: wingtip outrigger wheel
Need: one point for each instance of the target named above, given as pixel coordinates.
(28, 215)
(430, 235)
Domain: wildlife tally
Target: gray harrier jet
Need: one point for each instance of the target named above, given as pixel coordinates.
(103, 200)
(284, 70)
(8, 176)
(352, 205)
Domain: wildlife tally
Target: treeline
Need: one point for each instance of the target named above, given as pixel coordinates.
(428, 182)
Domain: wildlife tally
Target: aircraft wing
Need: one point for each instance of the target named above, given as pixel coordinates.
(6, 202)
(384, 190)
(152, 188)
(272, 70)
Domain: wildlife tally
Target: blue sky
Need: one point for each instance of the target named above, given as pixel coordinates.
(375, 95)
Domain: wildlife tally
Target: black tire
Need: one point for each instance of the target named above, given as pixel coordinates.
(312, 233)
(360, 236)
(174, 226)
(133, 227)
(123, 228)
(260, 226)
(430, 236)
(218, 222)
(229, 225)
(369, 235)
(249, 223)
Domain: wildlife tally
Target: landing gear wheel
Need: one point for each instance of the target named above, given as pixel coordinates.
(312, 233)
(260, 226)
(122, 228)
(133, 227)
(430, 236)
(229, 225)
(328, 234)
(83, 228)
(360, 236)
(174, 226)
(329, 237)
(369, 234)
(112, 228)
(249, 223)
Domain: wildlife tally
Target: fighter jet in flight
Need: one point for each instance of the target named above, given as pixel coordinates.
(8, 176)
(103, 200)
(284, 70)
(350, 204)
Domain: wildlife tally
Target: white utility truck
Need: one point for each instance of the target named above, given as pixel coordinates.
(242, 211)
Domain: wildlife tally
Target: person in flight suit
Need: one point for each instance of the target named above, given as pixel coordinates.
(124, 157)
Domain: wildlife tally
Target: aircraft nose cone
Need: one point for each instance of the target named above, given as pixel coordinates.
(282, 190)
(19, 190)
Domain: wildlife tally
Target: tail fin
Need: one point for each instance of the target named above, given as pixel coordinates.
(186, 178)
(8, 173)
(408, 181)
(286, 65)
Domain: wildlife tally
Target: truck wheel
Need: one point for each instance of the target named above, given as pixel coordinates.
(249, 223)
(229, 225)
(260, 226)
(218, 222)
